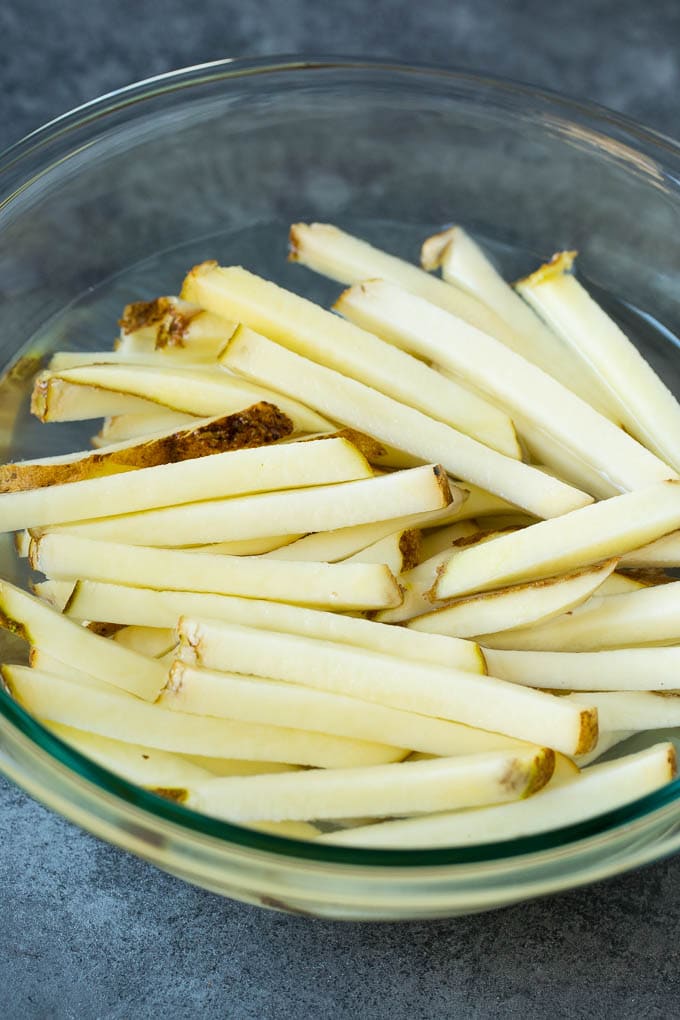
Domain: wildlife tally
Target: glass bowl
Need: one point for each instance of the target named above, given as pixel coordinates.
(115, 201)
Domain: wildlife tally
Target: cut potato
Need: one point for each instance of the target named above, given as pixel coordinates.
(646, 616)
(55, 593)
(598, 790)
(620, 584)
(584, 536)
(111, 713)
(440, 539)
(464, 264)
(399, 552)
(643, 403)
(173, 325)
(237, 767)
(516, 606)
(74, 645)
(332, 585)
(251, 546)
(214, 477)
(451, 694)
(121, 389)
(403, 788)
(138, 763)
(418, 582)
(349, 260)
(615, 669)
(633, 710)
(153, 608)
(664, 552)
(255, 426)
(554, 457)
(230, 696)
(421, 328)
(311, 331)
(150, 641)
(318, 508)
(123, 428)
(361, 407)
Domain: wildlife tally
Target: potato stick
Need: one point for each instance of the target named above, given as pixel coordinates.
(614, 669)
(237, 767)
(564, 463)
(361, 407)
(451, 694)
(44, 662)
(192, 391)
(516, 606)
(138, 763)
(349, 260)
(664, 552)
(583, 536)
(402, 788)
(62, 361)
(123, 428)
(418, 582)
(318, 508)
(377, 454)
(400, 551)
(56, 399)
(251, 546)
(230, 696)
(254, 427)
(331, 585)
(331, 546)
(440, 539)
(600, 789)
(73, 645)
(648, 616)
(234, 473)
(163, 609)
(645, 406)
(150, 641)
(423, 329)
(464, 264)
(173, 324)
(633, 710)
(606, 741)
(113, 714)
(311, 331)
(619, 584)
(288, 830)
(55, 593)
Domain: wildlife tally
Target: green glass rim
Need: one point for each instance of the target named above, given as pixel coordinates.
(608, 124)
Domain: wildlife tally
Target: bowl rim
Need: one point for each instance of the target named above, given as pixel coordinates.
(609, 124)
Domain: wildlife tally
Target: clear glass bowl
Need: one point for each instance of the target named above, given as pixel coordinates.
(116, 200)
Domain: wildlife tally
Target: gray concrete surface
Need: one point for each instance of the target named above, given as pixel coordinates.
(90, 933)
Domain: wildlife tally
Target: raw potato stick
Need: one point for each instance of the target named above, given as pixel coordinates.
(633, 710)
(174, 325)
(150, 641)
(664, 552)
(644, 404)
(153, 608)
(332, 585)
(403, 427)
(399, 552)
(464, 264)
(311, 331)
(403, 788)
(480, 701)
(517, 385)
(256, 426)
(123, 428)
(348, 259)
(111, 713)
(648, 616)
(517, 606)
(234, 473)
(231, 696)
(583, 536)
(121, 388)
(615, 669)
(600, 789)
(55, 593)
(43, 627)
(318, 508)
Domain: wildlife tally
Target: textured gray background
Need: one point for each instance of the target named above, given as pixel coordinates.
(87, 931)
